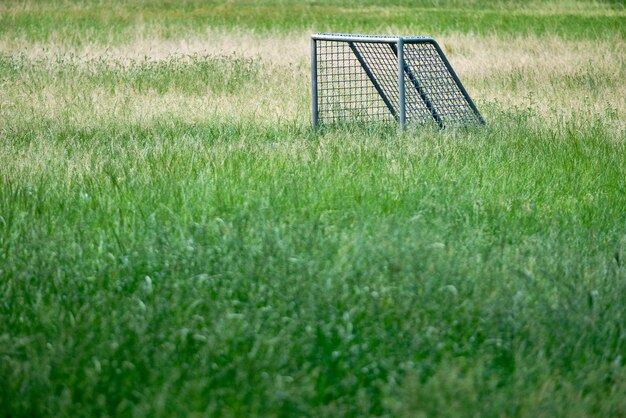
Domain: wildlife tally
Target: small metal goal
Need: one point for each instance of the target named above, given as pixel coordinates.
(386, 78)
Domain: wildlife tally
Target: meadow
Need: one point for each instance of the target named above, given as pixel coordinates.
(175, 240)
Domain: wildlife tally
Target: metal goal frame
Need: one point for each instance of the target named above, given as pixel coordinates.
(408, 79)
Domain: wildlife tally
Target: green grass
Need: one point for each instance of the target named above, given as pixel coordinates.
(165, 251)
(103, 23)
(237, 270)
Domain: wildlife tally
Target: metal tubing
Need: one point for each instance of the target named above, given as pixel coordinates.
(314, 108)
(354, 38)
(372, 78)
(401, 92)
(365, 38)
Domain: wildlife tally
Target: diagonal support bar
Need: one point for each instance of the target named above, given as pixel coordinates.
(418, 87)
(372, 78)
(467, 97)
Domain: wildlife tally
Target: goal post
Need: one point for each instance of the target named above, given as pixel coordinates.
(386, 78)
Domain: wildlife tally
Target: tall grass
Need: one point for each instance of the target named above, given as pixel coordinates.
(254, 271)
(188, 75)
(176, 241)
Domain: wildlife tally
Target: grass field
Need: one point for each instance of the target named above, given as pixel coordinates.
(176, 241)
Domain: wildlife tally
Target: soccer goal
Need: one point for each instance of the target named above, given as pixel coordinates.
(386, 78)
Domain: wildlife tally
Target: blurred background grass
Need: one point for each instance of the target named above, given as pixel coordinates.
(117, 22)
